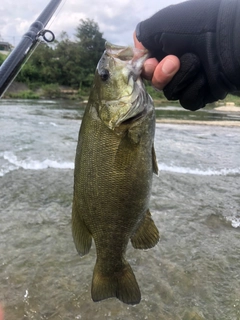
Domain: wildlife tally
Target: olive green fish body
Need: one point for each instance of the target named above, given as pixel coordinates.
(112, 188)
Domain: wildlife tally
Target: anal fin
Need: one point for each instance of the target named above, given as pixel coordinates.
(147, 234)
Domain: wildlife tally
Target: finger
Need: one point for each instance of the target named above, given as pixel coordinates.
(160, 73)
(165, 71)
(150, 64)
(149, 68)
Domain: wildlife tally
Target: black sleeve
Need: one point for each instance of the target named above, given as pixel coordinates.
(228, 40)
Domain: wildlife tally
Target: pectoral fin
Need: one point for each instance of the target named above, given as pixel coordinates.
(81, 235)
(154, 161)
(147, 235)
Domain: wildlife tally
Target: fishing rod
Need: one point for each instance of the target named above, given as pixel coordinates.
(30, 40)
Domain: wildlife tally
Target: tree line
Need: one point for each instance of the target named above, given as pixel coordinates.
(66, 62)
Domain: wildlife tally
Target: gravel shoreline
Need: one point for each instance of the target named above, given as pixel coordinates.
(223, 123)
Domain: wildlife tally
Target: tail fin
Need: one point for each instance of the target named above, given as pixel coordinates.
(122, 285)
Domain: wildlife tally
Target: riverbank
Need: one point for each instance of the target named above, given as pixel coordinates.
(18, 90)
(199, 122)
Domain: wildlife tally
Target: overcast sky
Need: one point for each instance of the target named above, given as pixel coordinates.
(116, 19)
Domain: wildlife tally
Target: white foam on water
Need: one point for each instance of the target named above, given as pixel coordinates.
(29, 164)
(53, 124)
(235, 221)
(6, 169)
(207, 172)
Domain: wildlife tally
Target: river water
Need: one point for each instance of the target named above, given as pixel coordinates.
(194, 271)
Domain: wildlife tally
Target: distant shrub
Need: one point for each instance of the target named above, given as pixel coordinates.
(51, 91)
(2, 58)
(155, 94)
(34, 85)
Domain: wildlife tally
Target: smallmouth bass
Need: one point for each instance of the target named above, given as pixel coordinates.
(114, 165)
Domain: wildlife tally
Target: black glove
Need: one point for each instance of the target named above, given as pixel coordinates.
(204, 34)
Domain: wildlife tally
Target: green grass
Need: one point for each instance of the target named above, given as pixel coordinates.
(232, 98)
(28, 94)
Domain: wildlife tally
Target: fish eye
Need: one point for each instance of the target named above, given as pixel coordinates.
(104, 74)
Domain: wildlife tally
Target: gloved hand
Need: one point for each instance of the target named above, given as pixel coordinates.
(205, 36)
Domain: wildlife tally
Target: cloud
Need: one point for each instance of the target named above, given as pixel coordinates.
(116, 19)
